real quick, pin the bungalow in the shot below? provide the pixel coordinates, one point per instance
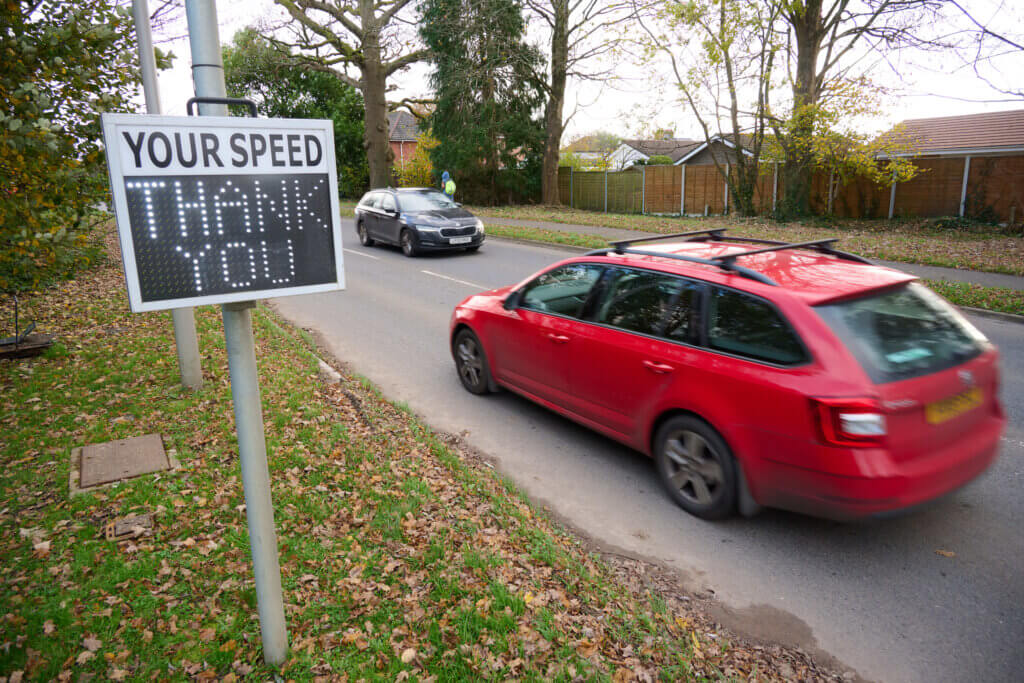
(679, 150)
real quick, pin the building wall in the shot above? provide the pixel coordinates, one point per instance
(625, 156)
(403, 151)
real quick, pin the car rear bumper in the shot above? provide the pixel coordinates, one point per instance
(431, 242)
(882, 487)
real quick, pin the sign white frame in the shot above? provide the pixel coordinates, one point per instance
(113, 123)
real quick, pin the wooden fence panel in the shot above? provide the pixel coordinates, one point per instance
(934, 192)
(588, 190)
(625, 192)
(995, 188)
(704, 188)
(564, 182)
(661, 191)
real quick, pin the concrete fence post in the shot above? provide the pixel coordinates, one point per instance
(643, 190)
(963, 188)
(682, 191)
(606, 190)
(775, 187)
(570, 187)
(725, 209)
(892, 196)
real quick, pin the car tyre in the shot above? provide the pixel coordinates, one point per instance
(696, 467)
(408, 243)
(471, 363)
(364, 235)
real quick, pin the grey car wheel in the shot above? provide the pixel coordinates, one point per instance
(408, 241)
(471, 363)
(364, 235)
(696, 467)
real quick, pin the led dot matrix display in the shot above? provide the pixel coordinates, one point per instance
(218, 209)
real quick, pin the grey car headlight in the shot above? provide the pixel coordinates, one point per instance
(479, 226)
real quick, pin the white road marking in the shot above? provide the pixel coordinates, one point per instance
(359, 253)
(461, 282)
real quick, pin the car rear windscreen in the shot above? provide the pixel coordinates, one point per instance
(902, 333)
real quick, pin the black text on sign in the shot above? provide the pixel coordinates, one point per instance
(218, 209)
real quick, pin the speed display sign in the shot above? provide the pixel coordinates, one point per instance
(221, 209)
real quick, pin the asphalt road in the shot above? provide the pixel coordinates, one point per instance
(876, 595)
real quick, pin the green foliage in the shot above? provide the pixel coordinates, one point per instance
(63, 64)
(255, 69)
(419, 172)
(487, 98)
(660, 160)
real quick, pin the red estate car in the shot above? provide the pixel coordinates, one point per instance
(756, 373)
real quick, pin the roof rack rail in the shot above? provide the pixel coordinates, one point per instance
(717, 262)
(716, 233)
(822, 246)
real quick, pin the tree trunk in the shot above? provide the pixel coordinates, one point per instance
(373, 80)
(798, 164)
(556, 99)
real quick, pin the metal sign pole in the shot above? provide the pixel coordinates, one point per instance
(208, 74)
(184, 321)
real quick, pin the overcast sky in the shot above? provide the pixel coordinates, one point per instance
(929, 85)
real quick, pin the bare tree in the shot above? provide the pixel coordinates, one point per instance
(827, 41)
(363, 43)
(722, 54)
(581, 31)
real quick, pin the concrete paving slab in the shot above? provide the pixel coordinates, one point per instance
(122, 459)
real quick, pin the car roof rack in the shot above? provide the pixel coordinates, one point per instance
(728, 261)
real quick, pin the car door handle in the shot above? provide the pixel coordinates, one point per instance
(558, 338)
(659, 368)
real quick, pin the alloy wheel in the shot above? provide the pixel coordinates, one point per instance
(471, 362)
(694, 467)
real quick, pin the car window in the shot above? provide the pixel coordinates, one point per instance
(747, 326)
(367, 199)
(562, 290)
(901, 333)
(387, 202)
(649, 303)
(424, 201)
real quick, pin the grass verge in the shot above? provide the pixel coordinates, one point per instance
(401, 555)
(1000, 299)
(928, 242)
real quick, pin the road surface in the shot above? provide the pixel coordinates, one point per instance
(876, 596)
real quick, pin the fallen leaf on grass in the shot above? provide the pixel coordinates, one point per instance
(408, 654)
(207, 634)
(48, 627)
(91, 644)
(84, 657)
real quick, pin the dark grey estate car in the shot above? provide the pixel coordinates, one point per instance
(417, 219)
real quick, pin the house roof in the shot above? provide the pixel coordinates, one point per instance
(675, 148)
(727, 140)
(948, 134)
(402, 126)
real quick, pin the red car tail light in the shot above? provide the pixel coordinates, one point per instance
(850, 421)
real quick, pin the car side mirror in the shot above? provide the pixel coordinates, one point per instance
(512, 301)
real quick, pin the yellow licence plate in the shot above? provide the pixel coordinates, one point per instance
(948, 408)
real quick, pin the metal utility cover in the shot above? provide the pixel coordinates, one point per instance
(103, 463)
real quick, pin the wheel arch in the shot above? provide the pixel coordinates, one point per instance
(747, 504)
